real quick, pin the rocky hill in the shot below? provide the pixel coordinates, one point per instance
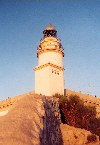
(87, 99)
(32, 119)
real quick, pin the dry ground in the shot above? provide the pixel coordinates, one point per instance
(31, 122)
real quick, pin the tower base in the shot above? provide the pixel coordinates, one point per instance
(49, 80)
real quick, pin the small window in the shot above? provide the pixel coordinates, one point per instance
(55, 71)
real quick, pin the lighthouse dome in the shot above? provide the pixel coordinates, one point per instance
(50, 27)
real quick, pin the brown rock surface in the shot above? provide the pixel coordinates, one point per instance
(75, 136)
(34, 120)
(88, 99)
(21, 126)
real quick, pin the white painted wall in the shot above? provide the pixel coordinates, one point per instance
(42, 81)
(51, 56)
(49, 81)
(56, 81)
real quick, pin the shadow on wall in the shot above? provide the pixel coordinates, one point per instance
(51, 133)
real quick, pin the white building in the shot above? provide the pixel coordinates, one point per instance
(49, 73)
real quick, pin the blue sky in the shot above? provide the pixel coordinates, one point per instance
(21, 26)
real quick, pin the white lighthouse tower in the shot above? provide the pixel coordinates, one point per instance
(49, 73)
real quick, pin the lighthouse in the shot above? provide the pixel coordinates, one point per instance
(49, 73)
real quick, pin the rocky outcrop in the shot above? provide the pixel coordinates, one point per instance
(22, 125)
(76, 136)
(88, 99)
(35, 120)
(51, 133)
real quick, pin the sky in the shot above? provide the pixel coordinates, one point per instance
(21, 26)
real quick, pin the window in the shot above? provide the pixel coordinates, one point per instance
(55, 71)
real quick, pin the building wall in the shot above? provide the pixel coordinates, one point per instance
(42, 81)
(56, 81)
(53, 57)
(49, 81)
